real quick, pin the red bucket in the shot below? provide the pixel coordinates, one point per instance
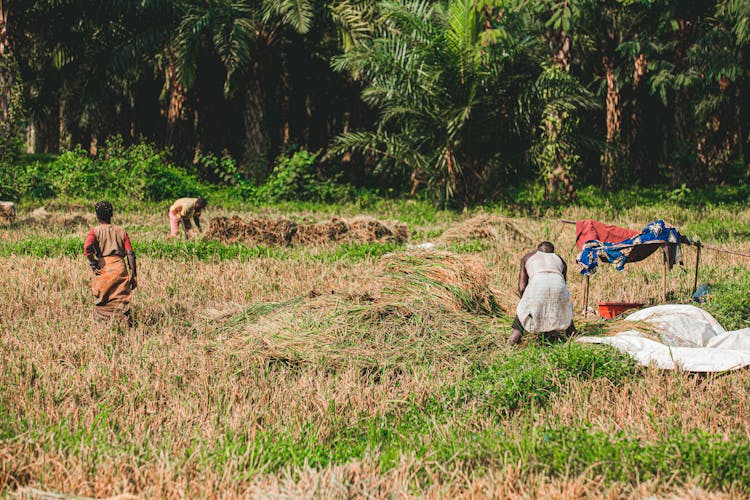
(610, 310)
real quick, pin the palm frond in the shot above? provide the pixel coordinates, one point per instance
(298, 14)
(355, 21)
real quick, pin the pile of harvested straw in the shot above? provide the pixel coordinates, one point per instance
(428, 305)
(444, 280)
(252, 231)
(41, 217)
(484, 227)
(361, 229)
(286, 232)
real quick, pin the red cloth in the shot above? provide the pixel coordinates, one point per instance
(589, 229)
(90, 240)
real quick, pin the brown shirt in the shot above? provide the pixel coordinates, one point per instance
(108, 240)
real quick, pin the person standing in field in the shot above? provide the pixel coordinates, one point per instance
(546, 305)
(182, 211)
(107, 247)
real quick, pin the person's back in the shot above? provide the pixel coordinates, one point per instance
(183, 207)
(544, 262)
(546, 304)
(110, 240)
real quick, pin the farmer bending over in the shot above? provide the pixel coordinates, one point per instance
(546, 305)
(8, 211)
(180, 213)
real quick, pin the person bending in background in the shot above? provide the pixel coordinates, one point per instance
(8, 211)
(182, 211)
(106, 247)
(546, 305)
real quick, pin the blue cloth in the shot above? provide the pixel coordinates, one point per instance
(617, 253)
(702, 294)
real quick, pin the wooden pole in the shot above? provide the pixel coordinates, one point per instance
(586, 297)
(664, 274)
(697, 264)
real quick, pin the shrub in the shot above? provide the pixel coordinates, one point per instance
(31, 180)
(221, 170)
(138, 172)
(298, 178)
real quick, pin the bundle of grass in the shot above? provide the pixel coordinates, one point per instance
(447, 281)
(286, 232)
(40, 214)
(321, 232)
(71, 221)
(252, 231)
(368, 229)
(610, 328)
(66, 220)
(360, 229)
(424, 307)
(484, 227)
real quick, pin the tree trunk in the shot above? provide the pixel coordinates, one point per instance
(198, 146)
(257, 142)
(637, 143)
(65, 138)
(683, 140)
(30, 138)
(562, 54)
(176, 101)
(559, 181)
(613, 149)
(6, 74)
(93, 144)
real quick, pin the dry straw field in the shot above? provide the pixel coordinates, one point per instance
(354, 367)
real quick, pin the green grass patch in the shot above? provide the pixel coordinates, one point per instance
(730, 300)
(531, 377)
(203, 250)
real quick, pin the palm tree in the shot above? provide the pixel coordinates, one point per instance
(242, 34)
(432, 71)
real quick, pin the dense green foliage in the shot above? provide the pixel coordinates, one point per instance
(141, 172)
(466, 98)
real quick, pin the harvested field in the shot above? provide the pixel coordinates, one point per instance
(343, 370)
(285, 232)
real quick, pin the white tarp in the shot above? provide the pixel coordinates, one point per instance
(691, 340)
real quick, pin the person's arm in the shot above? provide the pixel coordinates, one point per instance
(186, 225)
(523, 277)
(130, 254)
(133, 270)
(565, 269)
(91, 251)
(197, 220)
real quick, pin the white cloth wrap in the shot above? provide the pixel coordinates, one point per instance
(546, 305)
